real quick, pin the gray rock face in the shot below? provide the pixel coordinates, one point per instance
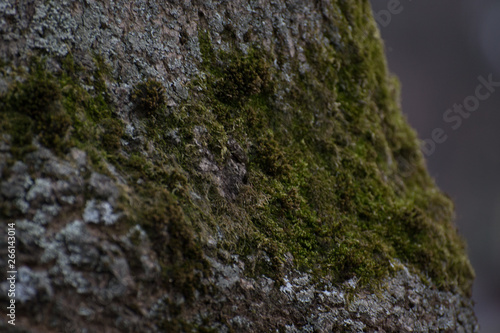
(83, 267)
(156, 39)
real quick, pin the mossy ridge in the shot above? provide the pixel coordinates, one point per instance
(324, 178)
(330, 175)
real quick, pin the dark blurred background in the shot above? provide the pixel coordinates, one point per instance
(438, 49)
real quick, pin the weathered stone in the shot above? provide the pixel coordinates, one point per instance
(179, 221)
(103, 187)
(97, 212)
(42, 188)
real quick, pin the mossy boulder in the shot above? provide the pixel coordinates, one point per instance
(219, 167)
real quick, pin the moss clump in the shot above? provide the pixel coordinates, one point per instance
(113, 131)
(270, 157)
(324, 180)
(53, 128)
(149, 97)
(19, 126)
(174, 241)
(37, 95)
(242, 77)
(57, 110)
(33, 108)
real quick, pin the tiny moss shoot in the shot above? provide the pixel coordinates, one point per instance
(149, 97)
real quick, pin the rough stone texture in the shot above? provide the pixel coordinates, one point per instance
(75, 274)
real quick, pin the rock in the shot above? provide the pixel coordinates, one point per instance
(41, 189)
(257, 193)
(101, 212)
(79, 156)
(16, 186)
(103, 187)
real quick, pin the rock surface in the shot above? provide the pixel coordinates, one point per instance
(164, 213)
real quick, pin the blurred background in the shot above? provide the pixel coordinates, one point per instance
(438, 49)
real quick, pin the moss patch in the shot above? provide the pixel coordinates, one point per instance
(328, 177)
(149, 97)
(174, 241)
(56, 109)
(71, 108)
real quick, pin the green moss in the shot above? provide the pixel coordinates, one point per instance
(53, 128)
(334, 177)
(327, 180)
(32, 108)
(113, 131)
(58, 111)
(270, 157)
(174, 241)
(149, 97)
(37, 95)
(55, 108)
(19, 126)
